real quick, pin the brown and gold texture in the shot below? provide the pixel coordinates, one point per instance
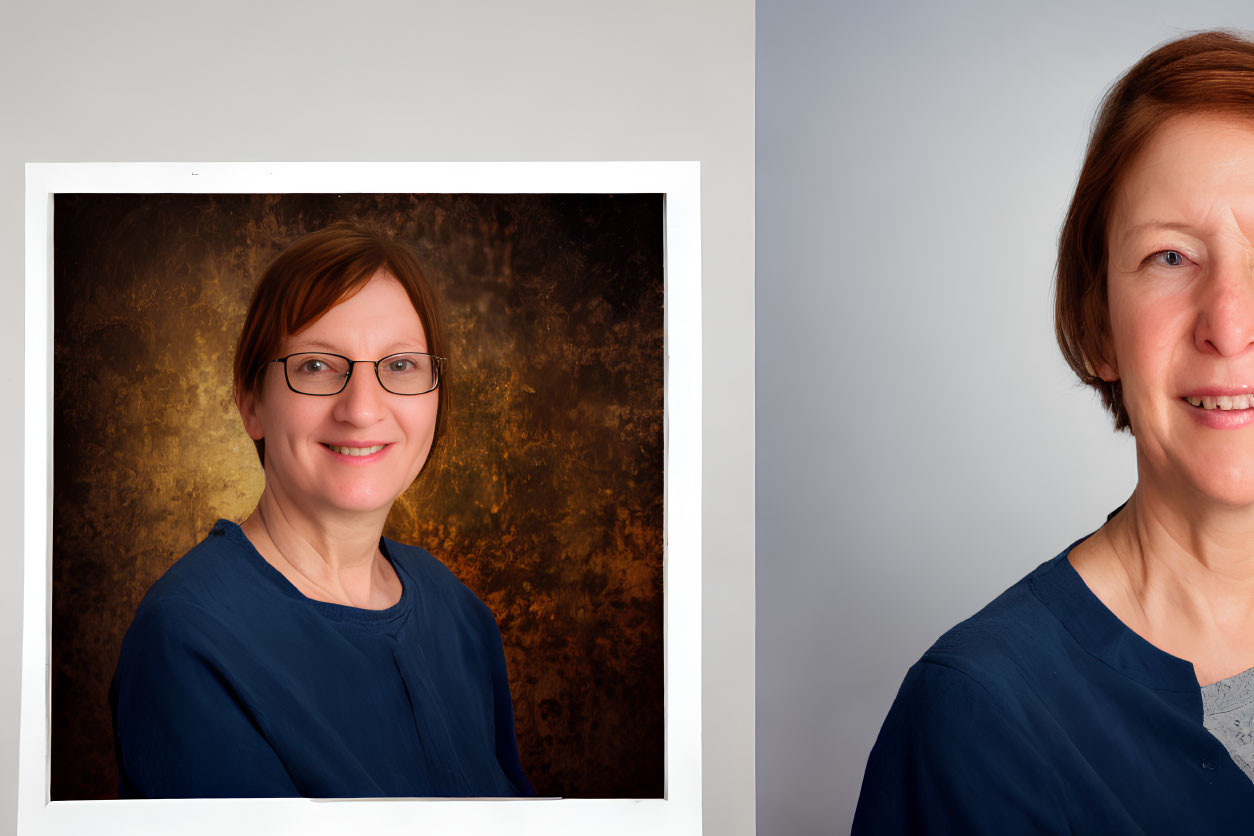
(546, 499)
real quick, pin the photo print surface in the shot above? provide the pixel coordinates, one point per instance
(546, 498)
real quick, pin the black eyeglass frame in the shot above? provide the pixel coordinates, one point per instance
(439, 372)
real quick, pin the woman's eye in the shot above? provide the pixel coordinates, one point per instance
(316, 367)
(1169, 258)
(400, 365)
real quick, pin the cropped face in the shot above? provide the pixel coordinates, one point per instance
(1180, 284)
(357, 450)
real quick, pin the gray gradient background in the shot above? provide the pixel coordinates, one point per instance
(921, 445)
(236, 80)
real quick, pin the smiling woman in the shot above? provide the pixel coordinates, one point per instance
(340, 446)
(1112, 690)
(302, 653)
(1182, 307)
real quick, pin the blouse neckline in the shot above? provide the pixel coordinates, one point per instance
(1099, 631)
(378, 619)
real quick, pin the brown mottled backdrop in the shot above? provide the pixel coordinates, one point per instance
(547, 501)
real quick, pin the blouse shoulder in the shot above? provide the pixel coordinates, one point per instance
(960, 729)
(950, 760)
(420, 562)
(205, 577)
(1014, 633)
(438, 581)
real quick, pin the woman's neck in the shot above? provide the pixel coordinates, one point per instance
(334, 560)
(1181, 577)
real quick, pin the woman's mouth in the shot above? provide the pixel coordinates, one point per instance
(355, 451)
(1221, 402)
(1222, 412)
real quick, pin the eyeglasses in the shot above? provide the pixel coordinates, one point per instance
(409, 373)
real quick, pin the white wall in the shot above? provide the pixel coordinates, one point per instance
(440, 80)
(921, 444)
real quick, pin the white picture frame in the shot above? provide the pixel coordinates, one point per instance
(679, 812)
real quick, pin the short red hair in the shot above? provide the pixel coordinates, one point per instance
(312, 275)
(1209, 72)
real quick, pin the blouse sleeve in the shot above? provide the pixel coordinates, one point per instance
(948, 760)
(181, 730)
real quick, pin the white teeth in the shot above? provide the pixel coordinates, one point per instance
(357, 451)
(1222, 402)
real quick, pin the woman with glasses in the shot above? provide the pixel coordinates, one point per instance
(300, 653)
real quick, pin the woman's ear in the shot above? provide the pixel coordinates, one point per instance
(1107, 366)
(1107, 371)
(247, 403)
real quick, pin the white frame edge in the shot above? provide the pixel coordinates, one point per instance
(680, 811)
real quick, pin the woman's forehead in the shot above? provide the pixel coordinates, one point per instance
(379, 316)
(1195, 170)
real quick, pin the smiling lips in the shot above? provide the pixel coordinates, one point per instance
(1222, 409)
(1221, 402)
(355, 451)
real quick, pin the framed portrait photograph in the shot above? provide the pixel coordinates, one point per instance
(234, 370)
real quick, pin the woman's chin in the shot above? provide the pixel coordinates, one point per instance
(1231, 487)
(1213, 475)
(358, 502)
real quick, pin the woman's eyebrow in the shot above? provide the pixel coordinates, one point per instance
(400, 345)
(1154, 225)
(318, 344)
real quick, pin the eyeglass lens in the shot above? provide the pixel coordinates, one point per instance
(327, 374)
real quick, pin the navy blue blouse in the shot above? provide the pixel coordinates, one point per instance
(1044, 713)
(231, 683)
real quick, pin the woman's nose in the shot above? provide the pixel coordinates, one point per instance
(361, 402)
(1225, 323)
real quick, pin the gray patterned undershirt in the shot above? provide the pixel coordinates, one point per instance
(1228, 714)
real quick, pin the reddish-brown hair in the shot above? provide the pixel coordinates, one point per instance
(312, 275)
(1209, 72)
